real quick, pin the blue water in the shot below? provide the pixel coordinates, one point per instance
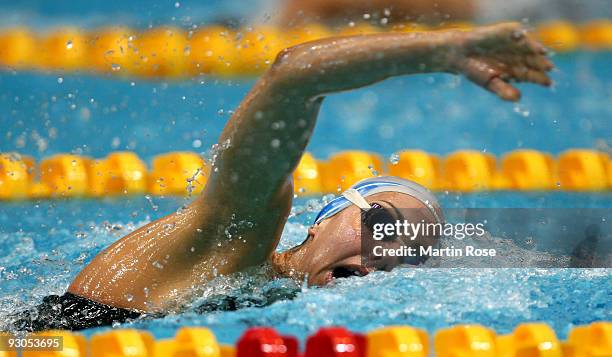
(44, 244)
(437, 113)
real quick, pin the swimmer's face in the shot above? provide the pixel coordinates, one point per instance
(334, 248)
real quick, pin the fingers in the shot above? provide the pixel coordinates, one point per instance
(480, 72)
(539, 63)
(538, 77)
(502, 89)
(490, 76)
(536, 47)
(524, 74)
(509, 39)
(505, 53)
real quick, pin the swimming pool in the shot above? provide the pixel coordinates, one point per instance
(44, 244)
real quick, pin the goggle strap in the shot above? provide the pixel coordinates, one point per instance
(357, 199)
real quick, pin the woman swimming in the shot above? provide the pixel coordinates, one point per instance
(236, 222)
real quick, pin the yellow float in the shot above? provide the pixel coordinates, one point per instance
(529, 170)
(560, 36)
(189, 341)
(346, 168)
(65, 175)
(119, 173)
(64, 50)
(465, 340)
(178, 173)
(18, 48)
(590, 340)
(530, 339)
(257, 49)
(469, 170)
(111, 50)
(359, 29)
(418, 166)
(306, 33)
(398, 341)
(597, 35)
(583, 170)
(213, 50)
(307, 176)
(126, 342)
(14, 178)
(162, 51)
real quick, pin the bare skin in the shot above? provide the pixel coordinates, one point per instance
(236, 223)
(341, 12)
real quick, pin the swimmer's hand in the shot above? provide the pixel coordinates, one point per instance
(494, 56)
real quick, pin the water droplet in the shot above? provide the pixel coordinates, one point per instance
(177, 4)
(197, 143)
(373, 170)
(60, 80)
(275, 143)
(518, 109)
(394, 159)
(69, 45)
(157, 265)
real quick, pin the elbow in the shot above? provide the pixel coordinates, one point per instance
(284, 56)
(290, 71)
(284, 63)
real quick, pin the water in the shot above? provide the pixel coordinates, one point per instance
(437, 113)
(43, 245)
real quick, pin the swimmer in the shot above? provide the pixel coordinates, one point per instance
(236, 223)
(342, 12)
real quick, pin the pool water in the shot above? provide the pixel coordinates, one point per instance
(436, 113)
(44, 244)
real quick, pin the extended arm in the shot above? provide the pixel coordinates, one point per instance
(268, 133)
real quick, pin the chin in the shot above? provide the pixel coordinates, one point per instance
(320, 279)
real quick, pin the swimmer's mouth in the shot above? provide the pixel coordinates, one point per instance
(346, 271)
